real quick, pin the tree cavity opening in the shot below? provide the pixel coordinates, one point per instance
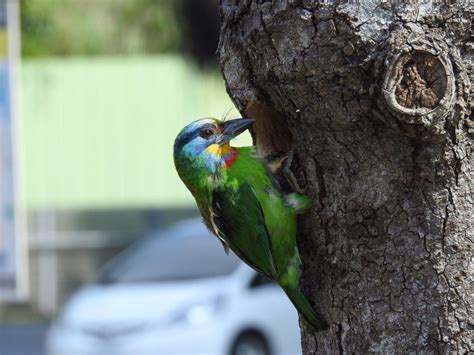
(270, 131)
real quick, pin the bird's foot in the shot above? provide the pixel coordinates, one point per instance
(293, 173)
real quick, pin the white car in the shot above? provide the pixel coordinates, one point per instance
(177, 292)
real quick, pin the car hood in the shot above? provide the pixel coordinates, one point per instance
(134, 303)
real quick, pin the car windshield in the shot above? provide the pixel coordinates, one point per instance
(184, 252)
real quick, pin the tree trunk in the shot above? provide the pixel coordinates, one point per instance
(373, 103)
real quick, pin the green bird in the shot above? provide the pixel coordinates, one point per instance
(242, 205)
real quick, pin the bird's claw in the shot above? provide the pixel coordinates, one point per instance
(290, 176)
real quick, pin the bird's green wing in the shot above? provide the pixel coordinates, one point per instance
(239, 220)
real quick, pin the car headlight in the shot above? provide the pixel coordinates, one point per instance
(197, 313)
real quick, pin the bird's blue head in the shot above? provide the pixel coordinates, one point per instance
(207, 140)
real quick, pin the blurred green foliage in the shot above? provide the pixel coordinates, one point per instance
(98, 132)
(93, 27)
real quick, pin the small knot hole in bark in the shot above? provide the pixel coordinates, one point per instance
(423, 82)
(419, 85)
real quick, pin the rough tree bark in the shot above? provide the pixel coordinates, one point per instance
(373, 100)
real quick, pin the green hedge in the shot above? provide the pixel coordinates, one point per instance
(98, 132)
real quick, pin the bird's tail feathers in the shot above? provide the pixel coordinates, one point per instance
(305, 309)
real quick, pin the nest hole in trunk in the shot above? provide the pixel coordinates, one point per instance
(274, 143)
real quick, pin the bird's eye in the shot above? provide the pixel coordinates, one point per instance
(207, 133)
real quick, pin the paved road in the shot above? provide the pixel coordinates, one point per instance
(22, 339)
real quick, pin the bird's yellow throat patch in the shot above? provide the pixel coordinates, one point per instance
(218, 150)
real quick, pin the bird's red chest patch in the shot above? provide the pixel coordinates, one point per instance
(231, 157)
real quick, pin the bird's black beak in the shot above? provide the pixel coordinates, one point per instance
(232, 128)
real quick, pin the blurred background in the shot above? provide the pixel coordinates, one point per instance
(92, 95)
